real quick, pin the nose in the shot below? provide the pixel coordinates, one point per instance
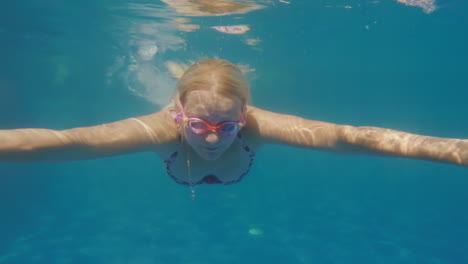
(212, 138)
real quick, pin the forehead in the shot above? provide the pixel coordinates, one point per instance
(212, 106)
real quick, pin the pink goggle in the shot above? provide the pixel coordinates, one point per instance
(200, 126)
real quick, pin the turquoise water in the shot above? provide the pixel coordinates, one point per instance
(377, 63)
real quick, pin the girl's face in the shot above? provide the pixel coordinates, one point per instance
(214, 109)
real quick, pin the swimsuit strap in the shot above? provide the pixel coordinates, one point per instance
(251, 156)
(171, 159)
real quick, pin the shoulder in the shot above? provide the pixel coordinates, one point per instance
(161, 128)
(259, 114)
(266, 127)
(159, 121)
(259, 120)
(256, 120)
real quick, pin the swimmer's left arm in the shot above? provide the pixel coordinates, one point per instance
(388, 142)
(274, 128)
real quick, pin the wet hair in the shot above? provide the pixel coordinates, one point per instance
(219, 76)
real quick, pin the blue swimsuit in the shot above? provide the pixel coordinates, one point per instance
(210, 179)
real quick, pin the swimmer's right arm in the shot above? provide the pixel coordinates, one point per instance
(139, 134)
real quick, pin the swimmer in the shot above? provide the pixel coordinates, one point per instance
(209, 134)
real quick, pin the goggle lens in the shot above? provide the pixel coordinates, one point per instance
(199, 127)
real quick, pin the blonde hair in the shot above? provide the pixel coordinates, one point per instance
(219, 76)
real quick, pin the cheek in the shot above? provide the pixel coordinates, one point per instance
(227, 141)
(192, 138)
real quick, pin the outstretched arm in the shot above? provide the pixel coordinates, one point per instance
(131, 135)
(291, 130)
(401, 144)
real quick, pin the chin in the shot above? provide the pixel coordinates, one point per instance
(210, 156)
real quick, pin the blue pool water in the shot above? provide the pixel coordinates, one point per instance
(382, 63)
